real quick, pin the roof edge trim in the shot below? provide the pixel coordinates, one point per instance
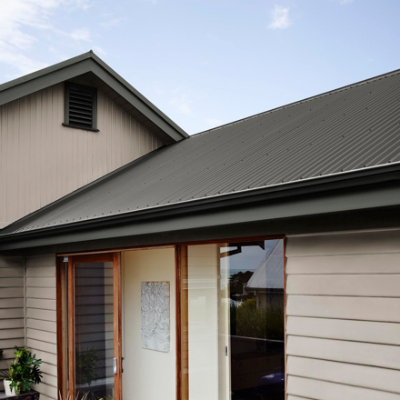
(292, 189)
(90, 62)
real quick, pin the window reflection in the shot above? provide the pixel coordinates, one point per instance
(256, 320)
(235, 328)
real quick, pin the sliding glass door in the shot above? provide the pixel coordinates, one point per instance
(233, 321)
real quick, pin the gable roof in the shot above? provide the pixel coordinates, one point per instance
(269, 274)
(90, 63)
(351, 130)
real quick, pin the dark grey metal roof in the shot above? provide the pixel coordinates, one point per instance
(269, 274)
(353, 128)
(91, 63)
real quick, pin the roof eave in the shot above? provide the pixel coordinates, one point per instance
(297, 190)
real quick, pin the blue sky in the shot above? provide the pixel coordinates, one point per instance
(205, 63)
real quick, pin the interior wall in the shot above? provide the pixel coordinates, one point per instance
(343, 316)
(148, 374)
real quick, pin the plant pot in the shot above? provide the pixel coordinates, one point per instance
(7, 388)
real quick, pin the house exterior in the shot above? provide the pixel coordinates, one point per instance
(267, 281)
(121, 237)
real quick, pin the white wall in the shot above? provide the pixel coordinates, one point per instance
(343, 316)
(147, 374)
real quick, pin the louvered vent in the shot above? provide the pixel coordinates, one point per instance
(80, 106)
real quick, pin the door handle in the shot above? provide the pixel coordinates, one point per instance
(115, 367)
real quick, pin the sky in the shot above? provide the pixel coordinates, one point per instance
(209, 62)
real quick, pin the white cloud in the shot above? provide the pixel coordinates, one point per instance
(83, 4)
(82, 34)
(213, 122)
(181, 100)
(280, 18)
(99, 50)
(24, 65)
(112, 23)
(19, 16)
(158, 88)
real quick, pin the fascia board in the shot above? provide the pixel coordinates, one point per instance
(339, 201)
(44, 81)
(138, 103)
(81, 65)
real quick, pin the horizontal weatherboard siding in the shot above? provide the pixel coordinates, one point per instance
(12, 304)
(41, 319)
(343, 316)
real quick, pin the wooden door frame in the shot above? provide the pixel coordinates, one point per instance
(66, 321)
(114, 255)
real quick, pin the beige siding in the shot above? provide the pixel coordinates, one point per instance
(41, 336)
(12, 332)
(343, 316)
(41, 160)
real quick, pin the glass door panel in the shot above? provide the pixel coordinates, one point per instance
(233, 323)
(94, 327)
(94, 335)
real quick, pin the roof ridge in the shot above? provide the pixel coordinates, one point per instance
(294, 103)
(90, 62)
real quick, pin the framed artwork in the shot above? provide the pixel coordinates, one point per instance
(155, 306)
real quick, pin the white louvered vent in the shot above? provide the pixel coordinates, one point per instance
(80, 104)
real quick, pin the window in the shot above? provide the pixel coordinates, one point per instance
(233, 321)
(80, 107)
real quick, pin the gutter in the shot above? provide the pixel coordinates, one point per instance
(347, 182)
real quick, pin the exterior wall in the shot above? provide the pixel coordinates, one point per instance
(41, 160)
(41, 319)
(12, 326)
(343, 316)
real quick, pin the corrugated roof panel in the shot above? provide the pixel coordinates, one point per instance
(348, 129)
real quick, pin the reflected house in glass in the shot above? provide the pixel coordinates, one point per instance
(267, 281)
(279, 235)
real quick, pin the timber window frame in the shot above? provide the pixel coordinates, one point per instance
(80, 107)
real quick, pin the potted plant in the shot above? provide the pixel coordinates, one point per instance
(5, 375)
(22, 373)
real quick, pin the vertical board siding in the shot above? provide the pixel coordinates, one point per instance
(12, 327)
(41, 160)
(343, 316)
(41, 327)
